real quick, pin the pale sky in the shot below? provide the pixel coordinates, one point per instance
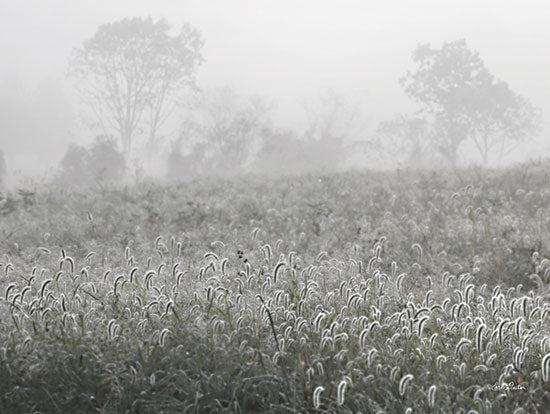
(289, 50)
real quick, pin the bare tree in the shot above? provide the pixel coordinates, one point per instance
(331, 121)
(503, 120)
(230, 126)
(408, 137)
(131, 72)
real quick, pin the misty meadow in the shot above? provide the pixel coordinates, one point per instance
(244, 208)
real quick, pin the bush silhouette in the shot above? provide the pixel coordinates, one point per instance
(101, 163)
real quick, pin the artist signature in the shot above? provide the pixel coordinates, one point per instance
(510, 386)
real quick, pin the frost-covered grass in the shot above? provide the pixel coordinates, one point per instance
(403, 292)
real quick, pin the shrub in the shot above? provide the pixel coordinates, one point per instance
(101, 163)
(106, 162)
(182, 167)
(3, 169)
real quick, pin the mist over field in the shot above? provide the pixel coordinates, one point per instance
(274, 206)
(313, 67)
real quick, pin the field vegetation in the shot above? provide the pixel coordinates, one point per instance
(415, 292)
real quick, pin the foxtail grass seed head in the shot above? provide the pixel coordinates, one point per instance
(341, 392)
(545, 368)
(431, 396)
(317, 396)
(404, 382)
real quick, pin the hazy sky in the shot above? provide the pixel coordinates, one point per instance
(288, 50)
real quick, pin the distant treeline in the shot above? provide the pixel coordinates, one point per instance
(137, 83)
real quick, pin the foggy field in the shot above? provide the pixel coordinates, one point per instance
(251, 206)
(373, 292)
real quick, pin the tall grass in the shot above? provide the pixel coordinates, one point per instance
(357, 292)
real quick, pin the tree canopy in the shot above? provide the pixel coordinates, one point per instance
(466, 102)
(132, 72)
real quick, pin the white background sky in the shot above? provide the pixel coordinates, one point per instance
(289, 50)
